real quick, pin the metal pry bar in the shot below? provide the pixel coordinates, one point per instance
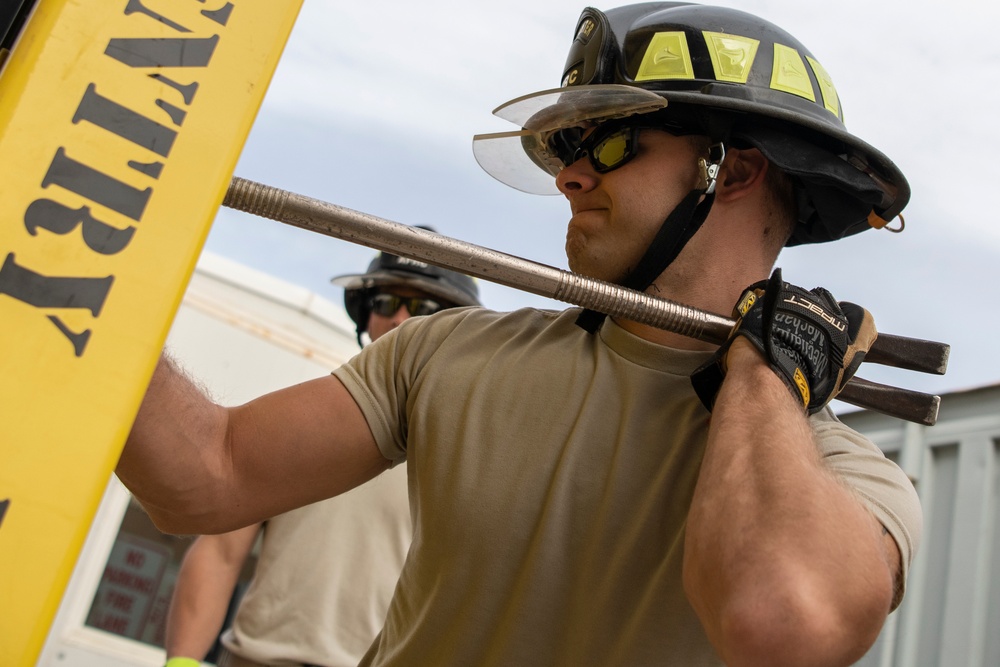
(420, 244)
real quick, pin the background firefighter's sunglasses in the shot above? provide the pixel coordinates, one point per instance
(609, 146)
(387, 305)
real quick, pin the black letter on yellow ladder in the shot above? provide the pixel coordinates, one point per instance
(60, 219)
(41, 291)
(220, 16)
(165, 52)
(127, 124)
(87, 182)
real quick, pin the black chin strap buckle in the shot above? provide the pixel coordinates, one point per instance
(710, 168)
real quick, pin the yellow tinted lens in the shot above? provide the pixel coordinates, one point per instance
(613, 149)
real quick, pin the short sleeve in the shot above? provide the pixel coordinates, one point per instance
(878, 482)
(382, 376)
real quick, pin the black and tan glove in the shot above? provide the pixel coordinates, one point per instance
(812, 342)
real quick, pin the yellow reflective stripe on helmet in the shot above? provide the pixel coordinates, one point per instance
(789, 73)
(732, 55)
(830, 98)
(667, 57)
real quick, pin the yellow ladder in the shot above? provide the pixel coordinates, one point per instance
(121, 122)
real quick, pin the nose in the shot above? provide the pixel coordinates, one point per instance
(577, 177)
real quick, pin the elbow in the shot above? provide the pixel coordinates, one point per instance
(177, 521)
(171, 524)
(188, 513)
(795, 627)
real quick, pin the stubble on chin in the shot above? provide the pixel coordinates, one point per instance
(581, 255)
(586, 265)
(574, 248)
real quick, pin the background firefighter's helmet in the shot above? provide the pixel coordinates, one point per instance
(715, 68)
(386, 270)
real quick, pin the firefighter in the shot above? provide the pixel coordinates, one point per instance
(590, 490)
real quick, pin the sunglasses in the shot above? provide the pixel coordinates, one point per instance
(608, 147)
(387, 305)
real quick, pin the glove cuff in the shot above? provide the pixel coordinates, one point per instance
(707, 378)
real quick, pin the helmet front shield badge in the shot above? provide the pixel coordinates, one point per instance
(522, 159)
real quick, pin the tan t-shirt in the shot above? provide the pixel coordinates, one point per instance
(551, 473)
(324, 577)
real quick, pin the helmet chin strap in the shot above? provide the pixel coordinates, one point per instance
(682, 223)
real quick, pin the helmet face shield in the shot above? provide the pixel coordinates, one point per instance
(518, 159)
(524, 160)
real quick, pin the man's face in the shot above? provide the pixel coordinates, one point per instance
(615, 215)
(381, 324)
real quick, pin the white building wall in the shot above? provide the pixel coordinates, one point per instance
(950, 616)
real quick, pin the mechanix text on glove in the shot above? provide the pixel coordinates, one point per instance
(814, 343)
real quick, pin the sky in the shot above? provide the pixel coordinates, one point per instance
(374, 105)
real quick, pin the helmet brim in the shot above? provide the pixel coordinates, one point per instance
(876, 164)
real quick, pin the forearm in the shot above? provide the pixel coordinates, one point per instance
(175, 452)
(782, 563)
(205, 584)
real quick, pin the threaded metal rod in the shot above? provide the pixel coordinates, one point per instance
(368, 230)
(414, 243)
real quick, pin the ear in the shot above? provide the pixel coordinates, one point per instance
(742, 173)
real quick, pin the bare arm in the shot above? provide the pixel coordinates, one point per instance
(783, 565)
(200, 468)
(205, 583)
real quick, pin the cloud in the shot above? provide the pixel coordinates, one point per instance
(432, 69)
